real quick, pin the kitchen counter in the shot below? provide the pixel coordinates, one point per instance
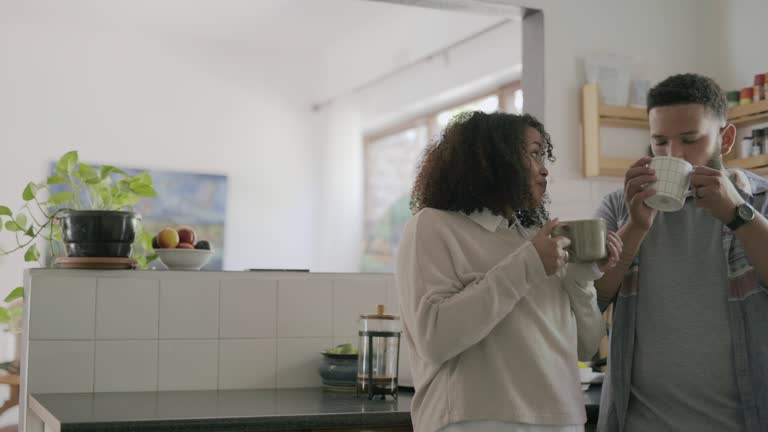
(251, 410)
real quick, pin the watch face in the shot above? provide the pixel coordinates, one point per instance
(746, 212)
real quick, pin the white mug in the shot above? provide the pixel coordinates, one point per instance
(673, 183)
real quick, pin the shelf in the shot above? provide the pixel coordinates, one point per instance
(596, 114)
(10, 379)
(752, 113)
(749, 163)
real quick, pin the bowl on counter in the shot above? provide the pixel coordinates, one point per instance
(184, 259)
(338, 371)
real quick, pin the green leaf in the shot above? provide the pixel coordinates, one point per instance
(5, 211)
(17, 292)
(61, 198)
(86, 172)
(146, 241)
(106, 170)
(57, 233)
(67, 163)
(32, 254)
(142, 178)
(143, 190)
(56, 179)
(5, 316)
(21, 221)
(11, 226)
(29, 192)
(30, 231)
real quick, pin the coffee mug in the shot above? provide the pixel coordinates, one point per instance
(673, 183)
(588, 238)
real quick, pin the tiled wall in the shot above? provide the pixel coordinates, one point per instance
(146, 331)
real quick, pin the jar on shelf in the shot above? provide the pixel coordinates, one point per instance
(733, 98)
(758, 92)
(746, 96)
(765, 86)
(758, 141)
(745, 148)
(765, 140)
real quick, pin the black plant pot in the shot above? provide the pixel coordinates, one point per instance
(98, 233)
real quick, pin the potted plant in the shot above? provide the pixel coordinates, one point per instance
(81, 212)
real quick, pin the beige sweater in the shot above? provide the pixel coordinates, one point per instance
(491, 336)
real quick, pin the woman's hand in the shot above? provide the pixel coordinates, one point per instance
(551, 250)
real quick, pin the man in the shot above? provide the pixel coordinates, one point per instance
(689, 344)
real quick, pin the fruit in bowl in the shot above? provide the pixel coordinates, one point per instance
(177, 250)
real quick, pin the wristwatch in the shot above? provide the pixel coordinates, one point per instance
(743, 214)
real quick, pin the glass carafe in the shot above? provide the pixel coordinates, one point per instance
(378, 354)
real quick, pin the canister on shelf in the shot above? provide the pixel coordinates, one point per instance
(758, 141)
(745, 148)
(746, 96)
(765, 86)
(733, 98)
(758, 92)
(765, 140)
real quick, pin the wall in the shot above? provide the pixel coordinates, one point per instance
(624, 27)
(139, 100)
(477, 66)
(741, 55)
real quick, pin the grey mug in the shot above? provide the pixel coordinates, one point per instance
(588, 238)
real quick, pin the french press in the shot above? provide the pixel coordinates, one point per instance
(378, 354)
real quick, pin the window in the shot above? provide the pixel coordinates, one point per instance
(391, 160)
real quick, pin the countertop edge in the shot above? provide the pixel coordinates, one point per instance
(260, 423)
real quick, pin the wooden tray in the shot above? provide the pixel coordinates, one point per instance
(95, 263)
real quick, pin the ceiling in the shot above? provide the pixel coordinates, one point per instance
(340, 43)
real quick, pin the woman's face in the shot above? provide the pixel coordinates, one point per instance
(537, 157)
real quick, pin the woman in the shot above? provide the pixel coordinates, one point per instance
(493, 314)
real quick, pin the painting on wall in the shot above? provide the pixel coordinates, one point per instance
(197, 200)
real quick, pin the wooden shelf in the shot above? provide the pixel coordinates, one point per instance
(10, 379)
(752, 113)
(596, 114)
(749, 163)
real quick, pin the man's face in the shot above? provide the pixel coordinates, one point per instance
(689, 132)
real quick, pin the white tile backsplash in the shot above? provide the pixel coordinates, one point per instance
(126, 366)
(188, 365)
(298, 361)
(140, 332)
(62, 308)
(352, 297)
(127, 308)
(60, 366)
(305, 308)
(247, 363)
(248, 308)
(189, 309)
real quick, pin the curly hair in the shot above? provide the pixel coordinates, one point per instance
(689, 89)
(481, 162)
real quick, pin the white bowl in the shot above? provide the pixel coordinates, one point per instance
(184, 259)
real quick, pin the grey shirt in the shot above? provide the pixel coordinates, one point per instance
(682, 371)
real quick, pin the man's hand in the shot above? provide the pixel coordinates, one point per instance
(636, 191)
(715, 192)
(614, 246)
